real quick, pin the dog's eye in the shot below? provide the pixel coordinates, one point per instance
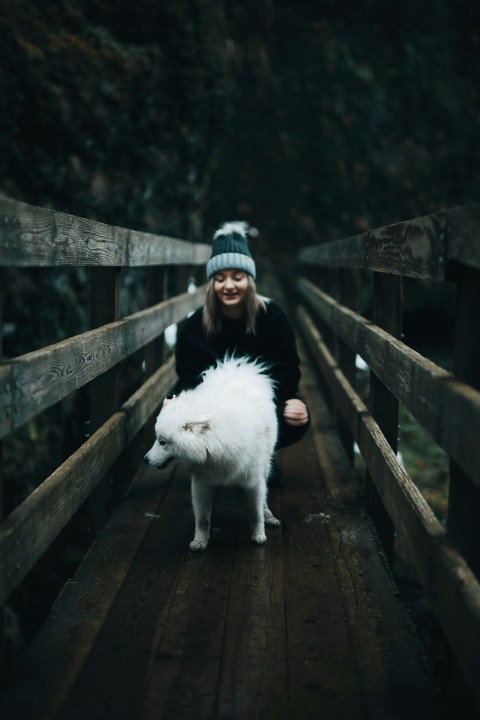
(162, 442)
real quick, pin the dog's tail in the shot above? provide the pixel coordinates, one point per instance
(230, 360)
(240, 370)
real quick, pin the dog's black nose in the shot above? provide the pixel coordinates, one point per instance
(145, 460)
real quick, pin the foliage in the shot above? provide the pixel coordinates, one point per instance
(114, 115)
(308, 120)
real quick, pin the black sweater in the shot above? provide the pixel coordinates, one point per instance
(273, 342)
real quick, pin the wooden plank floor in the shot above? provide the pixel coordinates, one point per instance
(308, 626)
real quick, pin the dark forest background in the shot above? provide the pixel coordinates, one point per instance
(310, 120)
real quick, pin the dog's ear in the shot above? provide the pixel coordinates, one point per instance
(198, 428)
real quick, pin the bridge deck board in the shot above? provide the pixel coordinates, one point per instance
(309, 625)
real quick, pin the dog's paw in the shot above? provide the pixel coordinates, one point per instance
(197, 545)
(258, 538)
(269, 518)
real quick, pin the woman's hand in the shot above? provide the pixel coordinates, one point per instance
(295, 412)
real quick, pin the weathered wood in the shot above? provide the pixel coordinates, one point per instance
(147, 249)
(28, 531)
(415, 248)
(463, 235)
(138, 618)
(146, 400)
(412, 517)
(103, 391)
(104, 310)
(323, 677)
(446, 407)
(348, 295)
(45, 675)
(254, 663)
(390, 668)
(157, 291)
(188, 648)
(43, 377)
(38, 237)
(387, 313)
(447, 579)
(30, 528)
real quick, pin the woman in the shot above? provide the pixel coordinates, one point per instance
(236, 320)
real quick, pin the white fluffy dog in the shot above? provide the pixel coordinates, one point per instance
(224, 433)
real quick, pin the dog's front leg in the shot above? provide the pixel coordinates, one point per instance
(256, 499)
(270, 518)
(202, 509)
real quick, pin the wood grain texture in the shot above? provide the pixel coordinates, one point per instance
(29, 530)
(103, 390)
(43, 679)
(43, 377)
(418, 248)
(447, 579)
(463, 241)
(156, 291)
(113, 680)
(146, 400)
(415, 248)
(323, 677)
(413, 519)
(38, 237)
(254, 664)
(446, 407)
(188, 654)
(387, 313)
(145, 249)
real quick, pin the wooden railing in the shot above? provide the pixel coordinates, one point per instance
(443, 247)
(440, 248)
(31, 383)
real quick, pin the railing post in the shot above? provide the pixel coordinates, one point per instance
(180, 282)
(348, 296)
(157, 290)
(463, 522)
(104, 390)
(387, 312)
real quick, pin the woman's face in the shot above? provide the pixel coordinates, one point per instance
(230, 287)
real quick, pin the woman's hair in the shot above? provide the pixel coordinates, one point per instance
(212, 314)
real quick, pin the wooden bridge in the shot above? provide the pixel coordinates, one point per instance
(311, 625)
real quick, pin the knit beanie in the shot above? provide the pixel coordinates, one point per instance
(230, 250)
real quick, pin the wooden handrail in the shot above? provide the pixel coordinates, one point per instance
(447, 408)
(38, 237)
(442, 246)
(39, 379)
(31, 383)
(29, 530)
(446, 577)
(419, 248)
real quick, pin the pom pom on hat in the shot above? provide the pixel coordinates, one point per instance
(230, 250)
